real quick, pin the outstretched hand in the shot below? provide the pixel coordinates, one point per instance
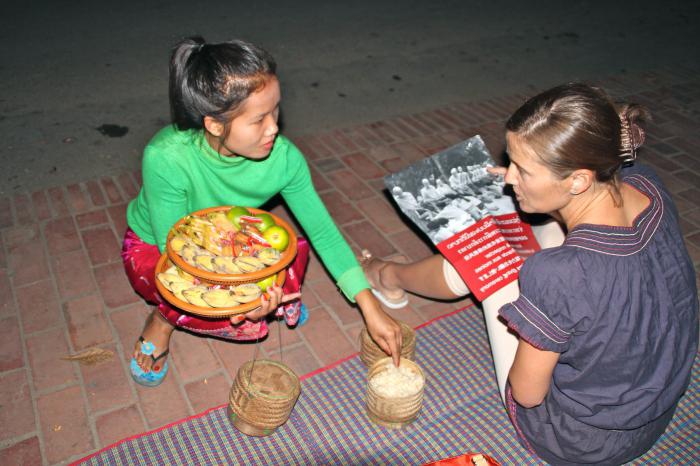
(268, 304)
(382, 328)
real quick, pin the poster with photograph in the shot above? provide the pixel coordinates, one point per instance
(465, 212)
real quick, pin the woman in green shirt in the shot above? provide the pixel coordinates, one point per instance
(223, 148)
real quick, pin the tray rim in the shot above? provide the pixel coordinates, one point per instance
(286, 256)
(213, 312)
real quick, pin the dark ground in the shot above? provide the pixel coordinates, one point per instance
(68, 68)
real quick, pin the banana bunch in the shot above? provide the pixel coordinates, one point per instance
(190, 291)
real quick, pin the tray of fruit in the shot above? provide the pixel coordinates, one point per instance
(187, 292)
(230, 245)
(218, 261)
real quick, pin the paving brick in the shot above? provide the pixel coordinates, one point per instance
(332, 144)
(306, 147)
(42, 208)
(234, 354)
(45, 351)
(335, 303)
(356, 138)
(3, 257)
(429, 145)
(688, 162)
(129, 323)
(164, 404)
(407, 315)
(138, 178)
(383, 132)
(87, 325)
(349, 184)
(326, 338)
(380, 153)
(363, 166)
(26, 258)
(114, 285)
(328, 165)
(318, 179)
(111, 189)
(77, 198)
(38, 306)
(192, 355)
(10, 345)
(118, 215)
(301, 360)
(119, 424)
(59, 203)
(404, 130)
(368, 237)
(6, 217)
(23, 209)
(17, 414)
(107, 384)
(7, 305)
(208, 393)
(27, 452)
(314, 269)
(396, 164)
(64, 424)
(341, 210)
(101, 244)
(353, 333)
(61, 236)
(73, 274)
(429, 122)
(91, 219)
(381, 214)
(95, 193)
(370, 136)
(693, 239)
(319, 149)
(127, 185)
(280, 331)
(411, 245)
(416, 125)
(346, 143)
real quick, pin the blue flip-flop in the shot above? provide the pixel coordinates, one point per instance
(150, 378)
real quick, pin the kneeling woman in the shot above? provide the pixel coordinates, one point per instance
(607, 321)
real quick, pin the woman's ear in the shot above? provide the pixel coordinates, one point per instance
(581, 180)
(213, 126)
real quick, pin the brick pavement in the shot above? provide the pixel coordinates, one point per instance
(63, 289)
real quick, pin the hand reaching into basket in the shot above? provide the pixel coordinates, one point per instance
(275, 297)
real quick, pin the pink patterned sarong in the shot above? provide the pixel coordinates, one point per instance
(140, 260)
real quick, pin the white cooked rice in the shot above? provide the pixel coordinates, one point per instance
(396, 382)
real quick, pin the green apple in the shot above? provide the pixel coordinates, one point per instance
(235, 213)
(277, 237)
(268, 282)
(267, 221)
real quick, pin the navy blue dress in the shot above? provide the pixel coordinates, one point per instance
(620, 305)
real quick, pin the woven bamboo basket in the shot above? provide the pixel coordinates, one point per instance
(262, 397)
(397, 412)
(370, 352)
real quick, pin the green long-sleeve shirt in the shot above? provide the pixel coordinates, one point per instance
(182, 173)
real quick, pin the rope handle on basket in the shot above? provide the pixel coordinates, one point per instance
(257, 345)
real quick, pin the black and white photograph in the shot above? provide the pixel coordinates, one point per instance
(451, 190)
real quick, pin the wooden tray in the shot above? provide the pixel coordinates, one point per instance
(212, 312)
(286, 256)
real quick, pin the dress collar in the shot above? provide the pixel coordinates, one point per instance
(622, 241)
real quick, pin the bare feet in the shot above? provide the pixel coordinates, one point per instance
(375, 270)
(156, 331)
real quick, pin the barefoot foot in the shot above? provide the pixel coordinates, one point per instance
(150, 351)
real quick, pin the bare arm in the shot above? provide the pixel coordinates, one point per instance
(531, 374)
